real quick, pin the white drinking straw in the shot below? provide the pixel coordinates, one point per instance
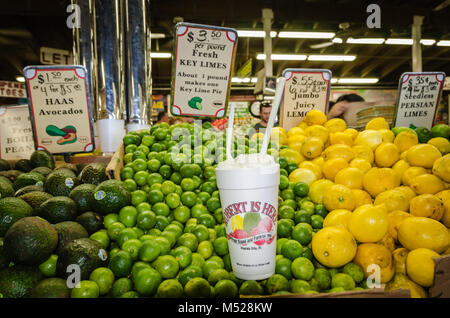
(273, 113)
(230, 131)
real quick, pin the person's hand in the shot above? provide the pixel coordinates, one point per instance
(338, 109)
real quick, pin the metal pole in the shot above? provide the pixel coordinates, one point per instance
(416, 31)
(267, 17)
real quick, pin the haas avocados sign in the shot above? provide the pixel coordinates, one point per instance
(202, 64)
(59, 108)
(418, 98)
(305, 90)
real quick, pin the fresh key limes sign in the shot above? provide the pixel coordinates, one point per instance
(418, 98)
(202, 63)
(59, 108)
(305, 90)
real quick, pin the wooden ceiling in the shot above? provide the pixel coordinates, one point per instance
(27, 25)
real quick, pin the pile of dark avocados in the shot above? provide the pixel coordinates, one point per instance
(47, 214)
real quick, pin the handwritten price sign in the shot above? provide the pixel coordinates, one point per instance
(201, 77)
(418, 98)
(59, 107)
(305, 90)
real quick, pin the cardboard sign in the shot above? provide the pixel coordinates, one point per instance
(59, 108)
(202, 64)
(418, 98)
(16, 136)
(12, 89)
(305, 90)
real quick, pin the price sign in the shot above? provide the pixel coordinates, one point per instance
(418, 98)
(202, 63)
(305, 90)
(16, 136)
(59, 108)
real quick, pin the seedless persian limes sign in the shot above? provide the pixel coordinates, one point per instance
(305, 90)
(202, 63)
(418, 98)
(59, 108)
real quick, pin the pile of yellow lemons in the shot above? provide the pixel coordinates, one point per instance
(388, 196)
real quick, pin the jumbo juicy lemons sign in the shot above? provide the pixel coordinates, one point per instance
(59, 108)
(202, 63)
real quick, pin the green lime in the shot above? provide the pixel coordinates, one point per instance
(182, 213)
(198, 209)
(308, 206)
(213, 204)
(146, 220)
(175, 177)
(218, 215)
(104, 278)
(301, 189)
(125, 235)
(189, 240)
(155, 196)
(149, 250)
(126, 173)
(226, 288)
(302, 216)
(189, 273)
(291, 249)
(114, 229)
(170, 288)
(173, 200)
(165, 171)
(130, 184)
(302, 268)
(276, 283)
(299, 286)
(218, 275)
(291, 166)
(207, 220)
(148, 140)
(221, 246)
(132, 246)
(197, 287)
(189, 198)
(321, 210)
(129, 149)
(85, 289)
(440, 130)
(174, 228)
(205, 249)
(128, 216)
(284, 182)
(209, 266)
(286, 212)
(333, 271)
(251, 287)
(139, 165)
(161, 208)
(110, 219)
(302, 233)
(137, 267)
(280, 243)
(316, 221)
(290, 202)
(283, 267)
(282, 162)
(121, 286)
(201, 232)
(343, 280)
(121, 264)
(198, 259)
(287, 194)
(154, 186)
(323, 278)
(209, 187)
(137, 197)
(147, 281)
(170, 236)
(183, 255)
(48, 267)
(141, 178)
(284, 227)
(204, 197)
(161, 222)
(164, 244)
(167, 266)
(355, 271)
(129, 139)
(154, 178)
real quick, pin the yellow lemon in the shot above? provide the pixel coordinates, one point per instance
(279, 130)
(339, 151)
(303, 125)
(278, 137)
(352, 132)
(291, 155)
(315, 117)
(371, 138)
(335, 125)
(427, 205)
(237, 222)
(387, 135)
(361, 197)
(377, 180)
(405, 140)
(333, 246)
(312, 147)
(317, 131)
(377, 124)
(403, 155)
(350, 177)
(416, 232)
(369, 254)
(399, 257)
(313, 167)
(296, 139)
(319, 161)
(426, 183)
(257, 136)
(423, 155)
(402, 281)
(317, 190)
(400, 167)
(407, 191)
(388, 242)
(364, 152)
(412, 172)
(337, 218)
(441, 168)
(340, 138)
(302, 175)
(297, 146)
(294, 131)
(395, 218)
(393, 199)
(361, 164)
(331, 167)
(420, 266)
(369, 223)
(440, 143)
(386, 154)
(444, 196)
(339, 196)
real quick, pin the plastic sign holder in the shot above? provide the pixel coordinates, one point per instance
(305, 90)
(201, 73)
(59, 108)
(417, 98)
